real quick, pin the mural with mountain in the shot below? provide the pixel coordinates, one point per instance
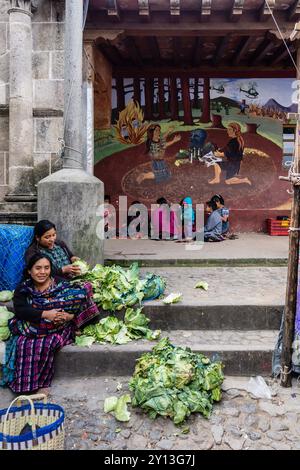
(162, 127)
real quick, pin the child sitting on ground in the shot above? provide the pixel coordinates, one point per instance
(223, 211)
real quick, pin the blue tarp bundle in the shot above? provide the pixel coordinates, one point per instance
(14, 240)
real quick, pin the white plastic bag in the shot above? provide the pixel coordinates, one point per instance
(258, 388)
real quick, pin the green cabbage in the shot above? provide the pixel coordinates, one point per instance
(84, 267)
(4, 333)
(112, 330)
(118, 406)
(175, 382)
(6, 295)
(172, 298)
(115, 287)
(5, 316)
(201, 285)
(84, 340)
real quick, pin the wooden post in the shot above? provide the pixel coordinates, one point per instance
(174, 99)
(120, 94)
(137, 90)
(161, 98)
(206, 102)
(292, 277)
(148, 98)
(187, 109)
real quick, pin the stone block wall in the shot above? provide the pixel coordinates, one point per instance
(48, 99)
(4, 79)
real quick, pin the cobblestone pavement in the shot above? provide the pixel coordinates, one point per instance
(239, 421)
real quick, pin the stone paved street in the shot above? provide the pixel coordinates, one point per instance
(238, 422)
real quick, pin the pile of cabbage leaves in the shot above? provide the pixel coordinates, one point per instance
(115, 287)
(112, 330)
(175, 382)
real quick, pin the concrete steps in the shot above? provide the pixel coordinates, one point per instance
(236, 321)
(243, 353)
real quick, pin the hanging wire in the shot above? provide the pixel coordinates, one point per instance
(282, 37)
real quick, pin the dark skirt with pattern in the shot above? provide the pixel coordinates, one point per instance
(160, 170)
(30, 356)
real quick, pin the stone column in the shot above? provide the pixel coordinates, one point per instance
(21, 176)
(88, 106)
(71, 197)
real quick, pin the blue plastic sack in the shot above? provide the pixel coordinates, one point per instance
(14, 241)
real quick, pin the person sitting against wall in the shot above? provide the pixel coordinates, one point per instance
(213, 226)
(45, 242)
(48, 313)
(223, 211)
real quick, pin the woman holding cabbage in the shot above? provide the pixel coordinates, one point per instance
(47, 314)
(45, 242)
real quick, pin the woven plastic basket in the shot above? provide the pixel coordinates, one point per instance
(49, 417)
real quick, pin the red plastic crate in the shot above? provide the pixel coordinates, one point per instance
(278, 227)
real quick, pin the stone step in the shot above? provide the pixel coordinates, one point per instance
(243, 353)
(237, 298)
(185, 262)
(250, 249)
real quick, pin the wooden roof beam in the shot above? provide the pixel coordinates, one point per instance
(205, 10)
(294, 11)
(282, 53)
(154, 49)
(144, 10)
(134, 50)
(176, 50)
(197, 53)
(113, 11)
(175, 10)
(220, 50)
(242, 49)
(237, 10)
(261, 52)
(264, 12)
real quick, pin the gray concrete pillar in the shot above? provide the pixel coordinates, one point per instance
(71, 197)
(21, 176)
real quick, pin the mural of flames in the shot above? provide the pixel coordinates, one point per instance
(130, 128)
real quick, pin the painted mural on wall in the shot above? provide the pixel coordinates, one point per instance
(174, 138)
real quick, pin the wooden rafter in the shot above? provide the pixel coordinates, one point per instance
(220, 49)
(282, 54)
(293, 13)
(113, 11)
(242, 49)
(237, 10)
(264, 12)
(205, 10)
(262, 50)
(144, 10)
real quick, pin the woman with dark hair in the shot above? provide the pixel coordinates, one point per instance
(47, 314)
(213, 226)
(233, 151)
(155, 148)
(45, 242)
